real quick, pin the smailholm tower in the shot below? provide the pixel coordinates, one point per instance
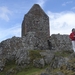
(36, 20)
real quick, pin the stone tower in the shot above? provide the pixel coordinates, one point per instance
(36, 21)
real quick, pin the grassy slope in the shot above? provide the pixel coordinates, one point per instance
(30, 70)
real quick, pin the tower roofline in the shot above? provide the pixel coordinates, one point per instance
(36, 7)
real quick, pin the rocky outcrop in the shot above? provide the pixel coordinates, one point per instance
(62, 65)
(18, 48)
(61, 42)
(48, 56)
(39, 63)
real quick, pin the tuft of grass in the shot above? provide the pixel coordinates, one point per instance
(34, 54)
(67, 72)
(62, 53)
(31, 71)
(10, 65)
(63, 70)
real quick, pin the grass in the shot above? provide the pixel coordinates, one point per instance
(29, 70)
(62, 53)
(10, 64)
(64, 71)
(34, 54)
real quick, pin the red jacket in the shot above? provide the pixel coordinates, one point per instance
(72, 36)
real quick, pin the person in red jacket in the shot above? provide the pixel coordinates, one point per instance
(72, 37)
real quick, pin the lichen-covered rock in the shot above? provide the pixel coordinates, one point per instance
(18, 48)
(61, 42)
(48, 56)
(39, 62)
(22, 57)
(62, 65)
(58, 62)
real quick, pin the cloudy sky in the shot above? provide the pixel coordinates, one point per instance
(61, 15)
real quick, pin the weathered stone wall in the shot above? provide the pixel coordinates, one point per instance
(37, 21)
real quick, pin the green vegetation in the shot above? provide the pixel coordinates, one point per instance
(63, 70)
(63, 53)
(31, 71)
(34, 54)
(10, 65)
(66, 71)
(12, 68)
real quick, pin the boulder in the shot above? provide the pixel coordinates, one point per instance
(39, 63)
(61, 42)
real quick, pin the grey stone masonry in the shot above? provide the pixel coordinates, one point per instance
(36, 21)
